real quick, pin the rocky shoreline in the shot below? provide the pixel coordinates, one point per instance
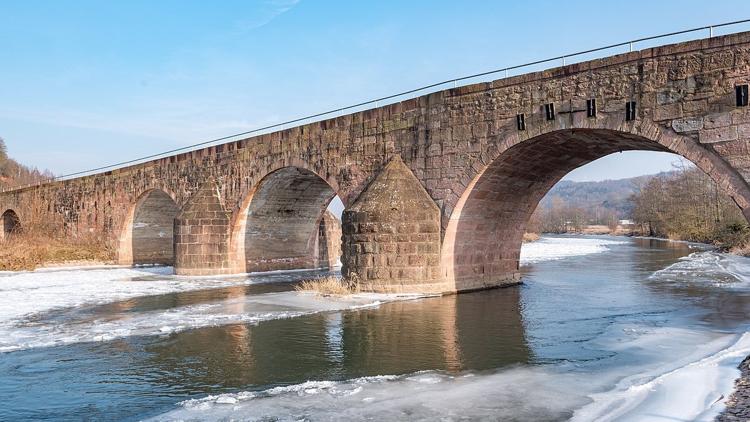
(738, 404)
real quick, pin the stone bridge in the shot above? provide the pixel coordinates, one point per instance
(437, 189)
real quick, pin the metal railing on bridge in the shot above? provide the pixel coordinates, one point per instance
(389, 99)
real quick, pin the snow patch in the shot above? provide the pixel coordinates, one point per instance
(27, 293)
(554, 248)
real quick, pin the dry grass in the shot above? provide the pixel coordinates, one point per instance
(530, 237)
(743, 250)
(335, 286)
(42, 240)
(28, 251)
(328, 286)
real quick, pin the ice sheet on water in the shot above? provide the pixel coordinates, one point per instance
(518, 394)
(553, 248)
(694, 388)
(708, 268)
(26, 294)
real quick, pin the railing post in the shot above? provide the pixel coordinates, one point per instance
(630, 44)
(710, 32)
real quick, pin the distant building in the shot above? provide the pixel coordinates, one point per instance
(626, 222)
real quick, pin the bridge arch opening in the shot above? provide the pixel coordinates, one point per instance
(11, 223)
(291, 220)
(483, 235)
(149, 235)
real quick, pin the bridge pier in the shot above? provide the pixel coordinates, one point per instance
(391, 235)
(201, 236)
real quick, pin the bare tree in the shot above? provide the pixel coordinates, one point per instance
(686, 204)
(3, 151)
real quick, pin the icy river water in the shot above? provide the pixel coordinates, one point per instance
(602, 328)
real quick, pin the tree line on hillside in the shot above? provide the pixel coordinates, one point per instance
(14, 174)
(686, 204)
(572, 206)
(560, 215)
(681, 204)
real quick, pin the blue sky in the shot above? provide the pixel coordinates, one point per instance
(88, 83)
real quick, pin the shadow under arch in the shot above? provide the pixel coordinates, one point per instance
(280, 224)
(147, 236)
(11, 222)
(483, 237)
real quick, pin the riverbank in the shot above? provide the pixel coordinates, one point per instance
(738, 405)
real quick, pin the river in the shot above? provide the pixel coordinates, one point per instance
(602, 328)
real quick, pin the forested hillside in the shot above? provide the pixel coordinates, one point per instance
(686, 204)
(13, 173)
(607, 195)
(570, 206)
(681, 204)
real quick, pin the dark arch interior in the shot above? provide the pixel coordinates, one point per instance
(287, 225)
(11, 222)
(494, 217)
(153, 229)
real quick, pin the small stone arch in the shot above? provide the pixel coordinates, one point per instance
(11, 223)
(147, 236)
(278, 224)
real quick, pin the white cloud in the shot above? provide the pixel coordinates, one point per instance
(270, 10)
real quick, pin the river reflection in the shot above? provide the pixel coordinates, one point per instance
(708, 280)
(450, 333)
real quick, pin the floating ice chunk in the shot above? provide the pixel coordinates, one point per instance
(226, 400)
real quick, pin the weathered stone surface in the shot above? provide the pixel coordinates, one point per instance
(717, 120)
(462, 147)
(709, 136)
(668, 112)
(690, 124)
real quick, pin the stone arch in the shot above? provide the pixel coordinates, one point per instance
(147, 236)
(483, 234)
(11, 223)
(279, 224)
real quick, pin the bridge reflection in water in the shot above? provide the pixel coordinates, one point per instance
(451, 333)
